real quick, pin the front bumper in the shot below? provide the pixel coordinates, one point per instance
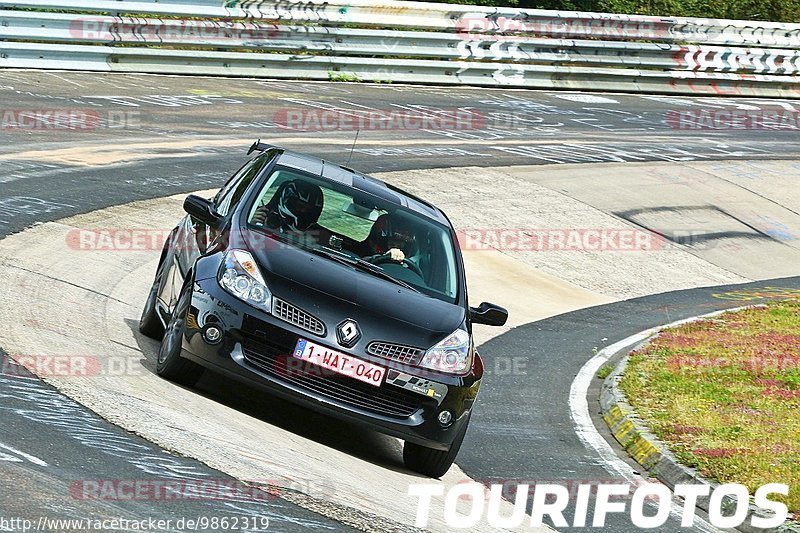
(256, 348)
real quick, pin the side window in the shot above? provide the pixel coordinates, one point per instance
(232, 192)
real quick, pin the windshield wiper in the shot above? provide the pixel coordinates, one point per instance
(344, 259)
(365, 266)
(378, 271)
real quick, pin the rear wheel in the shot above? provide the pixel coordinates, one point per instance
(170, 364)
(430, 462)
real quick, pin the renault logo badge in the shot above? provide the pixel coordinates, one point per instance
(347, 333)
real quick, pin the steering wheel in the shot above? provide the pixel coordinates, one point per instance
(405, 262)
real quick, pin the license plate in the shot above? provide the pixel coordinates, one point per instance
(339, 362)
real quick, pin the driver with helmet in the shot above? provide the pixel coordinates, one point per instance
(294, 209)
(389, 237)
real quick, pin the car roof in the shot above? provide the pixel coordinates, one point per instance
(357, 180)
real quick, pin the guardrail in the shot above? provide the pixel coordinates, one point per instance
(405, 42)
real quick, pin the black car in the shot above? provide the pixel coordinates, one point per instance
(328, 288)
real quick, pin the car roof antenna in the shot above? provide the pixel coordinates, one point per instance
(353, 147)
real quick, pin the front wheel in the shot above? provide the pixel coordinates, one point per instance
(170, 364)
(150, 323)
(430, 462)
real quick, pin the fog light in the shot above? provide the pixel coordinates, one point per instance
(212, 334)
(445, 418)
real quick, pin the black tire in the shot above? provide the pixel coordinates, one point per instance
(150, 323)
(430, 462)
(170, 364)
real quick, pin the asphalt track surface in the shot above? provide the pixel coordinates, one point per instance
(75, 466)
(533, 443)
(522, 429)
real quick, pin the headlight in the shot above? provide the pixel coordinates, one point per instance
(453, 355)
(239, 275)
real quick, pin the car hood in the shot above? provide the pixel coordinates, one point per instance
(333, 292)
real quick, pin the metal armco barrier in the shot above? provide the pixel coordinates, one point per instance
(405, 42)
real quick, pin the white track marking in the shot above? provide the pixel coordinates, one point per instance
(584, 98)
(31, 458)
(585, 428)
(65, 80)
(31, 378)
(579, 407)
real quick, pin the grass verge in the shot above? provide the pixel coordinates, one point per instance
(724, 395)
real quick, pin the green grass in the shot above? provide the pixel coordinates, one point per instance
(724, 395)
(335, 218)
(344, 76)
(605, 371)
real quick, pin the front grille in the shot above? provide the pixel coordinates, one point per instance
(275, 359)
(297, 317)
(396, 352)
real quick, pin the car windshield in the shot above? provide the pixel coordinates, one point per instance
(355, 225)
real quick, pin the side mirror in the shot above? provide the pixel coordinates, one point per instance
(489, 314)
(202, 210)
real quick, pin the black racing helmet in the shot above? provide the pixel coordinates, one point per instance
(393, 231)
(300, 204)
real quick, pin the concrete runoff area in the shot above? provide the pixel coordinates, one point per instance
(64, 300)
(563, 199)
(740, 217)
